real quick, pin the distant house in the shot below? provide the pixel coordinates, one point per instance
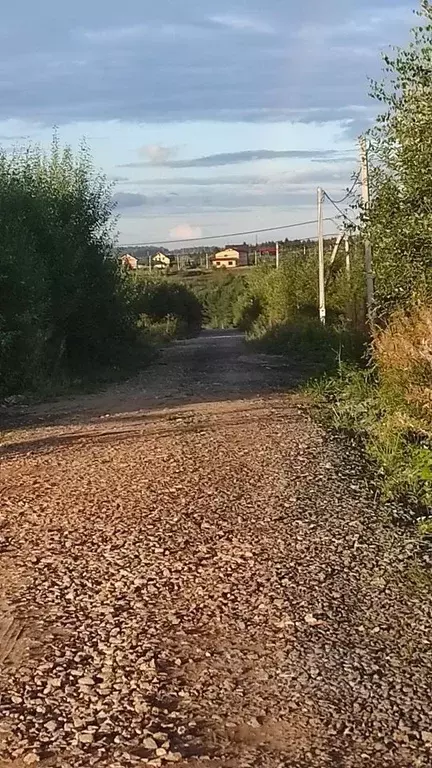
(267, 250)
(229, 258)
(128, 261)
(161, 261)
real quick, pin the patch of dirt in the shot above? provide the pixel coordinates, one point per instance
(278, 736)
(12, 637)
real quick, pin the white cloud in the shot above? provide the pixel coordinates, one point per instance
(136, 32)
(157, 154)
(243, 23)
(185, 232)
(116, 34)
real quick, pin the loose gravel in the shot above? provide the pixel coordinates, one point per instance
(192, 573)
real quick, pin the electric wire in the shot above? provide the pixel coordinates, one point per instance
(224, 235)
(350, 191)
(341, 212)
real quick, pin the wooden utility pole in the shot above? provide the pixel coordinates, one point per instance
(206, 260)
(367, 243)
(351, 303)
(336, 248)
(150, 258)
(256, 251)
(321, 271)
(277, 255)
(333, 257)
(347, 259)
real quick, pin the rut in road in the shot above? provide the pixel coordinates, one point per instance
(192, 573)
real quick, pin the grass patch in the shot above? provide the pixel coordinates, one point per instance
(320, 349)
(355, 402)
(420, 578)
(386, 405)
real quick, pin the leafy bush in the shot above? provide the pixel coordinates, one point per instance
(170, 304)
(221, 297)
(290, 294)
(401, 178)
(67, 309)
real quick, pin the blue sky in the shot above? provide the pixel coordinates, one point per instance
(211, 116)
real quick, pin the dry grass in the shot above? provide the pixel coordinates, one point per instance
(403, 352)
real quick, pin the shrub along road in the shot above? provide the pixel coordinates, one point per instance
(193, 573)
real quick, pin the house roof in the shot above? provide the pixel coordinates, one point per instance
(240, 248)
(228, 253)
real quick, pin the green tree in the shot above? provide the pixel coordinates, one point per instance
(64, 304)
(401, 178)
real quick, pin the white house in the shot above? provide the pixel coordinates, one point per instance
(161, 261)
(228, 258)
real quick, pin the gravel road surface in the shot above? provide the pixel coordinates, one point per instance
(193, 573)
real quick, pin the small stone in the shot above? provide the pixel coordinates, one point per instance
(51, 725)
(31, 758)
(16, 699)
(160, 736)
(311, 620)
(427, 737)
(161, 752)
(149, 743)
(86, 681)
(106, 727)
(86, 738)
(284, 624)
(253, 722)
(173, 757)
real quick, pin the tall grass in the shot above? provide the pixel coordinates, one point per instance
(388, 406)
(310, 345)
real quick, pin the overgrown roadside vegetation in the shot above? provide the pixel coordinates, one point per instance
(389, 404)
(380, 391)
(167, 310)
(69, 315)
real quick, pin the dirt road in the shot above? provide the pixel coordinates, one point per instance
(192, 573)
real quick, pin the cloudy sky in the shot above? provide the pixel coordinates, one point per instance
(211, 116)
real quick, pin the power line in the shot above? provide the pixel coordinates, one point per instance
(350, 191)
(339, 209)
(225, 235)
